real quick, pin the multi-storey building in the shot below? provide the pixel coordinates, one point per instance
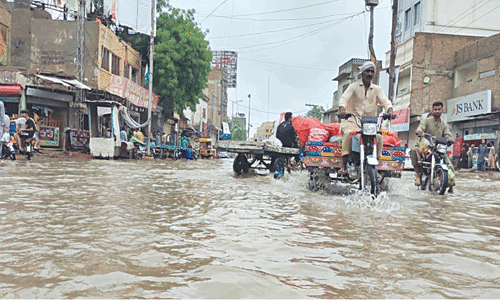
(47, 49)
(264, 131)
(5, 27)
(429, 32)
(474, 106)
(456, 17)
(216, 92)
(348, 73)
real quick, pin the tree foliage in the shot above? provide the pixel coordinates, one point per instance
(182, 60)
(237, 127)
(316, 112)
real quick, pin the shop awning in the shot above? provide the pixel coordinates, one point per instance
(66, 82)
(10, 90)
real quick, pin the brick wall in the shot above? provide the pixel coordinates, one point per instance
(434, 57)
(485, 55)
(120, 48)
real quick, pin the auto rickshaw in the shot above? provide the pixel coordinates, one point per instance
(206, 150)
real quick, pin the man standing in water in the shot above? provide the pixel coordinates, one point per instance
(434, 126)
(361, 99)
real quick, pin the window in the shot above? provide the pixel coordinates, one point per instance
(105, 59)
(416, 18)
(126, 71)
(407, 19)
(115, 64)
(204, 113)
(134, 74)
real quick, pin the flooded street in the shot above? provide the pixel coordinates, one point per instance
(177, 229)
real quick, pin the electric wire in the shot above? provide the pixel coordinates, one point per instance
(296, 38)
(213, 11)
(461, 16)
(284, 65)
(289, 9)
(489, 12)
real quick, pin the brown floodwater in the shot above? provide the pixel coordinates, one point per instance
(191, 229)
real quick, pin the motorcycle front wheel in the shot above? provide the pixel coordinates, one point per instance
(440, 181)
(371, 182)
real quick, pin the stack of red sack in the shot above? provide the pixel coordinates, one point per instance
(304, 127)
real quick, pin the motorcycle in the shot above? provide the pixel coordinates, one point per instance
(362, 166)
(433, 168)
(29, 145)
(8, 151)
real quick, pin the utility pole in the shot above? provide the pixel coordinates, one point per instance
(150, 77)
(249, 96)
(80, 47)
(394, 49)
(373, 58)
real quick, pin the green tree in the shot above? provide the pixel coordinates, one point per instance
(316, 112)
(182, 60)
(237, 127)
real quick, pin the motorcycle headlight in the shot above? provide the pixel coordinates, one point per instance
(369, 129)
(441, 148)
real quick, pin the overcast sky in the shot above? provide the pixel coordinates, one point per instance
(295, 45)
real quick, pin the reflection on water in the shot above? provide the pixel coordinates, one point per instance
(177, 229)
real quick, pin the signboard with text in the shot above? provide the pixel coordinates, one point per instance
(462, 108)
(402, 121)
(131, 91)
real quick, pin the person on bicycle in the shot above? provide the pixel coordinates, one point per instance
(361, 98)
(435, 126)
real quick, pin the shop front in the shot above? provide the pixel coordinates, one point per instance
(52, 110)
(472, 120)
(10, 95)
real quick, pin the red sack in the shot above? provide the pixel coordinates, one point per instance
(392, 139)
(302, 127)
(333, 128)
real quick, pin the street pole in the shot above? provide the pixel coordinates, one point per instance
(394, 48)
(373, 58)
(150, 78)
(249, 96)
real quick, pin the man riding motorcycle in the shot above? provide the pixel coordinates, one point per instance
(28, 131)
(434, 126)
(361, 99)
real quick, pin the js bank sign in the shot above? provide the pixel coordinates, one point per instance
(462, 108)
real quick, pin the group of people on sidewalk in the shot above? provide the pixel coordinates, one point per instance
(485, 157)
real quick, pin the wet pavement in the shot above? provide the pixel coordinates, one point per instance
(191, 229)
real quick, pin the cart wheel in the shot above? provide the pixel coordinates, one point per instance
(240, 165)
(279, 167)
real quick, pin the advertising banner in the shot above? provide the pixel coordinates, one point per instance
(131, 91)
(462, 108)
(402, 121)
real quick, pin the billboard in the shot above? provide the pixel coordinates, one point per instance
(134, 14)
(227, 60)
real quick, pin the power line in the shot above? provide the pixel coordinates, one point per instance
(293, 39)
(289, 9)
(214, 10)
(462, 16)
(284, 65)
(287, 19)
(477, 19)
(271, 31)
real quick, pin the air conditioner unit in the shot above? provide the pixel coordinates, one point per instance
(372, 2)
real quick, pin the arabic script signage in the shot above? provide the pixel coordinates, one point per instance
(131, 91)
